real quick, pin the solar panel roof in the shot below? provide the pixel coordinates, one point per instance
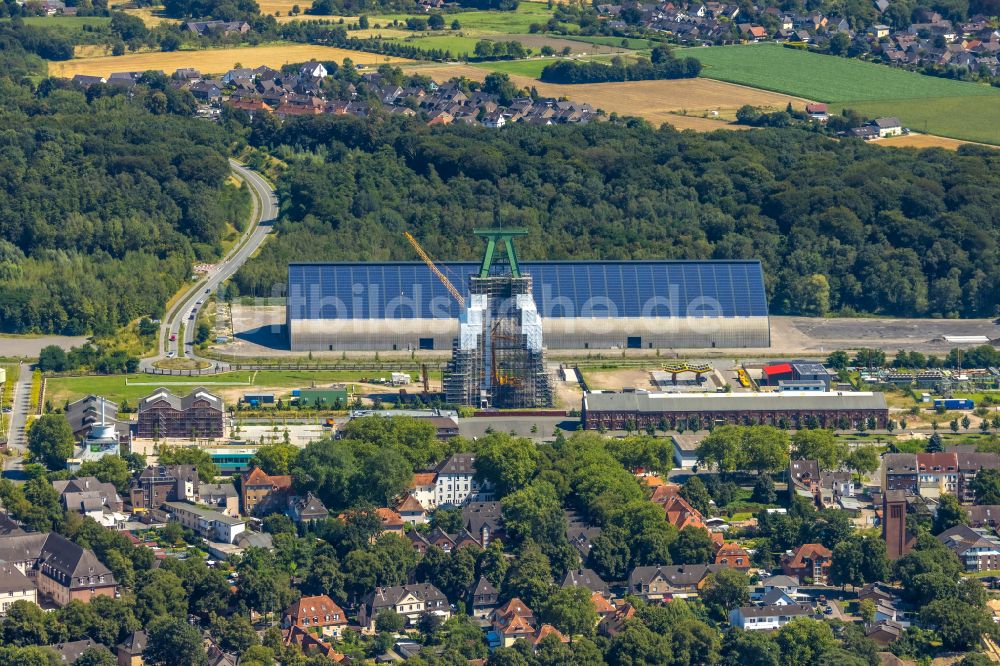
(599, 289)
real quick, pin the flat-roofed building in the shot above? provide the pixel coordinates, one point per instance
(209, 523)
(639, 410)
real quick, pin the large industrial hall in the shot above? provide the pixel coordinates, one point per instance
(582, 304)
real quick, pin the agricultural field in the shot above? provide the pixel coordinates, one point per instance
(482, 22)
(617, 42)
(151, 16)
(969, 118)
(954, 109)
(922, 141)
(821, 77)
(67, 23)
(283, 6)
(215, 60)
(527, 68)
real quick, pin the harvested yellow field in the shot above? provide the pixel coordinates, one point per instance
(922, 141)
(215, 61)
(151, 17)
(91, 50)
(656, 101)
(283, 6)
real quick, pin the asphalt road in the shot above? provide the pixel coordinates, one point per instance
(20, 407)
(184, 312)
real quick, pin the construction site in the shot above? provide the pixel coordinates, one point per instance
(498, 359)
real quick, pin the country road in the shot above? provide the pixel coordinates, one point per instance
(20, 408)
(265, 211)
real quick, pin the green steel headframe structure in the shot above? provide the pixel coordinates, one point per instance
(506, 237)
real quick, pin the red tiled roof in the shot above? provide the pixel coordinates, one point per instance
(317, 607)
(409, 504)
(423, 479)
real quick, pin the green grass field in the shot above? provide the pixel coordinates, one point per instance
(457, 45)
(66, 22)
(955, 109)
(821, 77)
(115, 388)
(503, 23)
(632, 43)
(532, 68)
(970, 118)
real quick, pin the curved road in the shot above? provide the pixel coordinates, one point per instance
(184, 311)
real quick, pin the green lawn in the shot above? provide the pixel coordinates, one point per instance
(956, 109)
(532, 68)
(822, 77)
(974, 118)
(61, 389)
(633, 43)
(488, 21)
(66, 22)
(457, 45)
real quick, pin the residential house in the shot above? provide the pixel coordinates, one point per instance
(86, 80)
(810, 560)
(512, 621)
(163, 414)
(680, 514)
(70, 651)
(422, 489)
(817, 111)
(734, 556)
(186, 74)
(62, 570)
(580, 534)
(456, 482)
(663, 583)
(984, 515)
(317, 614)
(803, 476)
(392, 522)
(977, 549)
(888, 126)
(899, 472)
(209, 523)
(89, 497)
(130, 651)
(587, 578)
(483, 599)
(762, 618)
(163, 483)
(411, 601)
(937, 474)
(483, 520)
(971, 462)
(220, 496)
(202, 28)
(311, 645)
(886, 632)
(313, 69)
(612, 625)
(206, 91)
(261, 493)
(15, 586)
(411, 511)
(306, 509)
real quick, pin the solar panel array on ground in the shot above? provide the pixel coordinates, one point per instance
(602, 289)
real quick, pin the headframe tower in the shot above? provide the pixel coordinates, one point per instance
(498, 360)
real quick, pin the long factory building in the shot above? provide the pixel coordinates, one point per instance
(583, 305)
(694, 411)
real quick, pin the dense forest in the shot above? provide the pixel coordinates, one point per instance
(105, 203)
(840, 226)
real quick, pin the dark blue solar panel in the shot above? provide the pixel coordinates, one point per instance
(561, 289)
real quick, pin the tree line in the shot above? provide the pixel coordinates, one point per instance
(663, 65)
(839, 226)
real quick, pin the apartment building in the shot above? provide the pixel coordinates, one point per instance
(165, 415)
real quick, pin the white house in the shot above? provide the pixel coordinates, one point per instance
(15, 586)
(313, 69)
(888, 126)
(456, 482)
(761, 618)
(209, 523)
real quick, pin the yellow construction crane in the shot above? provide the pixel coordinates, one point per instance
(430, 264)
